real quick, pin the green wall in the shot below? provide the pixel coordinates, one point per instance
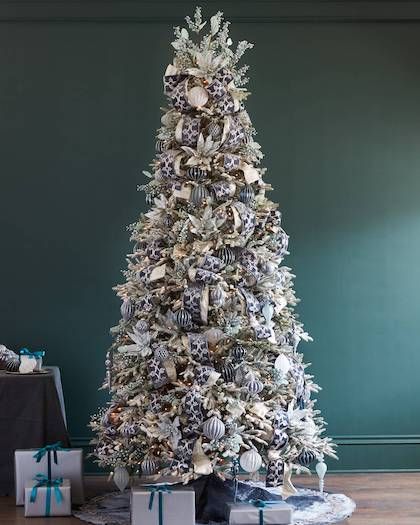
(337, 107)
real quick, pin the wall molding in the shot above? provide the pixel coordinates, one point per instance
(160, 11)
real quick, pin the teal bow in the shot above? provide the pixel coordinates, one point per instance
(261, 505)
(47, 450)
(43, 481)
(160, 489)
(36, 355)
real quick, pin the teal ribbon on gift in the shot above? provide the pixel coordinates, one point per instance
(48, 450)
(36, 355)
(161, 490)
(261, 505)
(42, 481)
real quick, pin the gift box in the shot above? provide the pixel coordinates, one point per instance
(44, 497)
(259, 512)
(30, 361)
(64, 463)
(162, 505)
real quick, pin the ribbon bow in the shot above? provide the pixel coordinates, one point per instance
(43, 481)
(36, 355)
(160, 489)
(261, 505)
(47, 450)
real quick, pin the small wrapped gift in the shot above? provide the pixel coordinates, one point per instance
(259, 512)
(47, 497)
(163, 505)
(53, 461)
(30, 361)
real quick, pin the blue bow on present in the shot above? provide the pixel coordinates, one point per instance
(47, 450)
(160, 489)
(43, 481)
(36, 355)
(261, 505)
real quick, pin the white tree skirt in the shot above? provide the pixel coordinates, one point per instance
(309, 508)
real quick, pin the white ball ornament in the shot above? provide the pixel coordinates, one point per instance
(282, 364)
(121, 478)
(197, 97)
(250, 461)
(214, 428)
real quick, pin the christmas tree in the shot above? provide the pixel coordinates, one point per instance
(204, 370)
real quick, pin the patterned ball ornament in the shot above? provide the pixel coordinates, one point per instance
(227, 255)
(228, 372)
(214, 428)
(214, 129)
(254, 386)
(195, 173)
(238, 353)
(199, 194)
(247, 194)
(306, 457)
(183, 318)
(250, 461)
(161, 146)
(161, 352)
(149, 466)
(127, 309)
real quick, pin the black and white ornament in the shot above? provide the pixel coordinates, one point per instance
(199, 195)
(149, 466)
(127, 309)
(217, 296)
(214, 428)
(247, 194)
(161, 146)
(306, 457)
(251, 461)
(227, 255)
(195, 173)
(238, 353)
(227, 371)
(254, 386)
(161, 352)
(183, 318)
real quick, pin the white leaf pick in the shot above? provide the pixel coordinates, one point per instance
(321, 470)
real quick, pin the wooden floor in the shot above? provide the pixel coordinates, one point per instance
(382, 499)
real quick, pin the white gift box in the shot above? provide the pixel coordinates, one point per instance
(41, 507)
(69, 465)
(178, 506)
(277, 513)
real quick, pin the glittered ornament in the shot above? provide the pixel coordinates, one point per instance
(142, 326)
(227, 255)
(214, 129)
(127, 309)
(250, 461)
(161, 352)
(195, 173)
(214, 428)
(183, 318)
(306, 457)
(217, 296)
(121, 478)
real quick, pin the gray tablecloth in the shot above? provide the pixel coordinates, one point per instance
(31, 416)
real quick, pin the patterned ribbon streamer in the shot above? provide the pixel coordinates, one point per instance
(261, 505)
(36, 355)
(47, 450)
(160, 489)
(43, 481)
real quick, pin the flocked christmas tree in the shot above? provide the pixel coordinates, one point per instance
(204, 370)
